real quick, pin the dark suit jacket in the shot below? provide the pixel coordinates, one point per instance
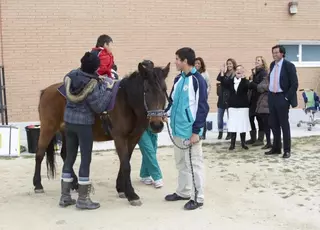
(288, 81)
(239, 98)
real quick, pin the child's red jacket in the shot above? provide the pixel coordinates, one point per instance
(106, 61)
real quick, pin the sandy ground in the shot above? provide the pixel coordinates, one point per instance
(243, 189)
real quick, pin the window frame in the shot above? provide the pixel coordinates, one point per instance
(299, 43)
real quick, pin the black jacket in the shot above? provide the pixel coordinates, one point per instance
(239, 98)
(223, 93)
(253, 93)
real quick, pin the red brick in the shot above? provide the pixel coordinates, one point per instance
(43, 40)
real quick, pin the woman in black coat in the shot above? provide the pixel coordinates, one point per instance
(258, 74)
(238, 103)
(223, 94)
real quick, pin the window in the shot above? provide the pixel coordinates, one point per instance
(303, 53)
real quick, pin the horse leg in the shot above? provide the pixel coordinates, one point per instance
(45, 139)
(120, 186)
(63, 155)
(125, 167)
(132, 142)
(38, 188)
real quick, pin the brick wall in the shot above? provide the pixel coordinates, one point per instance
(43, 40)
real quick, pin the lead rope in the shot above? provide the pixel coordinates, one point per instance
(189, 146)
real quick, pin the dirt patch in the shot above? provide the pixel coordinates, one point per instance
(243, 189)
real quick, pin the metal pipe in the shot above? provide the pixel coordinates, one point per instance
(2, 105)
(3, 86)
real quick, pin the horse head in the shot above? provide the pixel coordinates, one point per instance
(154, 93)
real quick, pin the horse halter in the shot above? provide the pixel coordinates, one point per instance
(154, 113)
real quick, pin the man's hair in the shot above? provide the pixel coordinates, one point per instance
(282, 50)
(102, 39)
(90, 63)
(187, 53)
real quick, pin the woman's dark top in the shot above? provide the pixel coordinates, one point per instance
(253, 94)
(239, 98)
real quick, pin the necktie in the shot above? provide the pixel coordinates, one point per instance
(275, 79)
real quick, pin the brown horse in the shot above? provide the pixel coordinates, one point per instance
(139, 102)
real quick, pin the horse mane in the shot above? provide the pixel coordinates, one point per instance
(129, 78)
(133, 86)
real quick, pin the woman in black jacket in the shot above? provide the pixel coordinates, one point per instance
(223, 94)
(238, 103)
(258, 74)
(86, 95)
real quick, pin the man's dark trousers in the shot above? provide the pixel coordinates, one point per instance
(279, 117)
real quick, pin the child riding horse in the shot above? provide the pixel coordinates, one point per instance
(138, 103)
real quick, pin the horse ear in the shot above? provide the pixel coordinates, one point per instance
(142, 69)
(166, 70)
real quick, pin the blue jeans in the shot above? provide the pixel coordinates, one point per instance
(148, 145)
(220, 119)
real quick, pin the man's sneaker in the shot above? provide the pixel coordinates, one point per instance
(192, 205)
(158, 183)
(175, 197)
(146, 180)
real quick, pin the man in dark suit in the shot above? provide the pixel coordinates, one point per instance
(283, 86)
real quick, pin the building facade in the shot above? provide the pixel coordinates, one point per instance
(42, 40)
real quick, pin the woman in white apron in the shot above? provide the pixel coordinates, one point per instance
(238, 121)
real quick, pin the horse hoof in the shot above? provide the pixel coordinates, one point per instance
(122, 195)
(135, 202)
(39, 190)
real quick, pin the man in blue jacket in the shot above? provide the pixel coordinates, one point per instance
(188, 111)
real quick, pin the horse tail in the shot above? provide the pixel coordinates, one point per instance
(50, 159)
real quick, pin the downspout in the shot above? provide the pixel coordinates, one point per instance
(3, 96)
(1, 34)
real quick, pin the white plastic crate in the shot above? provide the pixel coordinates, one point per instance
(9, 141)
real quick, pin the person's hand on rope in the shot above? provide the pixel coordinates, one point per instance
(194, 138)
(165, 119)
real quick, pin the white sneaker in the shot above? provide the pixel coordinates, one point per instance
(158, 183)
(146, 180)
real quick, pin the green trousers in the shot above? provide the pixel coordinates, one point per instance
(148, 145)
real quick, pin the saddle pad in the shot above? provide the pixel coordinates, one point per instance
(62, 91)
(115, 88)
